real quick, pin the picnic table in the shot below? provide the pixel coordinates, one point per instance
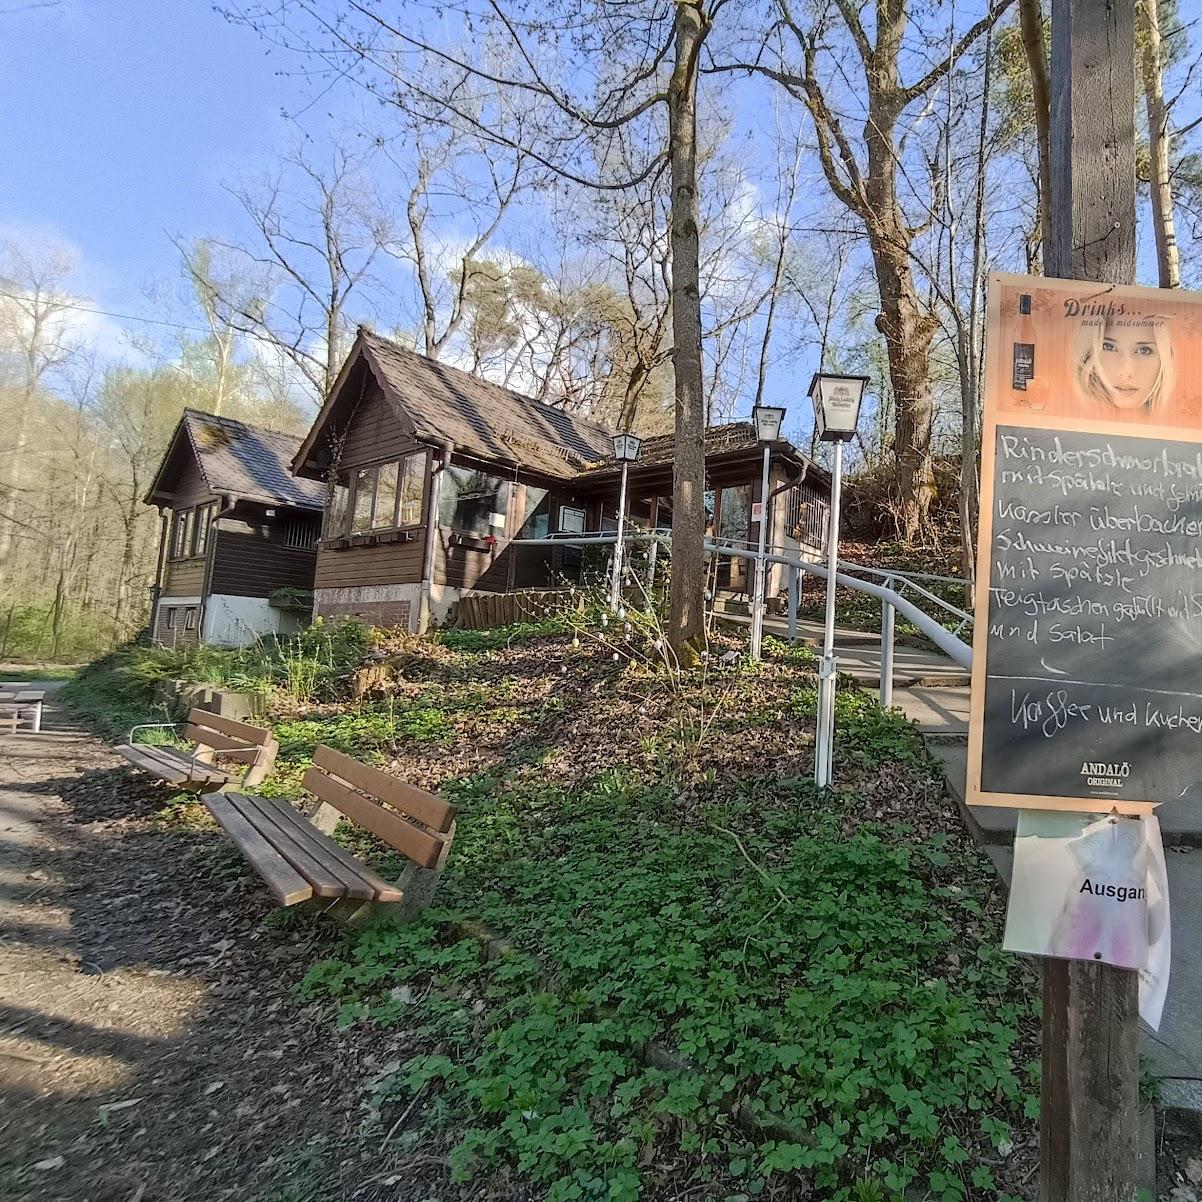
(17, 699)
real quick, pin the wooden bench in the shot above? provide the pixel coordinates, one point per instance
(298, 860)
(212, 735)
(17, 701)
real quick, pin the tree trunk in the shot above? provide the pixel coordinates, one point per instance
(1168, 261)
(909, 329)
(1030, 17)
(686, 625)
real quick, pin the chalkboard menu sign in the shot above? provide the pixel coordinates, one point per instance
(1087, 673)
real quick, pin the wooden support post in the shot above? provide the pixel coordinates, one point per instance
(1089, 1108)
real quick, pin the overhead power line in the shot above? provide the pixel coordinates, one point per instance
(151, 321)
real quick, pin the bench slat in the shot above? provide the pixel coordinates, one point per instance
(287, 885)
(140, 757)
(228, 726)
(196, 771)
(328, 874)
(420, 846)
(429, 810)
(172, 765)
(222, 743)
(310, 836)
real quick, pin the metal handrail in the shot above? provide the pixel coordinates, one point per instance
(950, 644)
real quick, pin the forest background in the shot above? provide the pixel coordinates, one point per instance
(489, 182)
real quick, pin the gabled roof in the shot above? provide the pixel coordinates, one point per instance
(733, 439)
(441, 402)
(242, 460)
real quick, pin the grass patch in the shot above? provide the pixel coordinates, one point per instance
(836, 1007)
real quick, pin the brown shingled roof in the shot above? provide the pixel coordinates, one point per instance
(243, 460)
(482, 418)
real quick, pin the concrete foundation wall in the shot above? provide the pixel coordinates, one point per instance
(237, 621)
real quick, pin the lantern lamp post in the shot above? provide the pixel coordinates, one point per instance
(836, 412)
(768, 421)
(626, 451)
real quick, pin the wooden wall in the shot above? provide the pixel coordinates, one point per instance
(385, 563)
(376, 434)
(185, 577)
(245, 564)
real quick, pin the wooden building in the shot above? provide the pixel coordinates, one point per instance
(238, 544)
(433, 473)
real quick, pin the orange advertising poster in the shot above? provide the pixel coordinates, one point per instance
(1087, 657)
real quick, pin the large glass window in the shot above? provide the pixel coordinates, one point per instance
(365, 496)
(413, 488)
(200, 534)
(337, 511)
(382, 497)
(734, 513)
(469, 499)
(386, 496)
(536, 513)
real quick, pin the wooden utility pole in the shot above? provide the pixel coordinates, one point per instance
(1089, 1110)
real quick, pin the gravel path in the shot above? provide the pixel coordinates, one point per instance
(151, 1046)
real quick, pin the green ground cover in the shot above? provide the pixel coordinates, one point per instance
(714, 978)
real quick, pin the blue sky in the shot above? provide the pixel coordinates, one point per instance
(119, 122)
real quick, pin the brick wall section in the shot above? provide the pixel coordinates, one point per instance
(386, 614)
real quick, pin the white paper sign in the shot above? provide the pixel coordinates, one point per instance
(1093, 887)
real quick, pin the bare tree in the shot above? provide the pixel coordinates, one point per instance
(872, 179)
(1160, 183)
(317, 229)
(35, 340)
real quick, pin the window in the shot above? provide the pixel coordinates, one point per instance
(190, 534)
(190, 618)
(338, 510)
(734, 513)
(385, 496)
(365, 498)
(177, 537)
(536, 514)
(200, 532)
(170, 619)
(469, 500)
(300, 534)
(413, 488)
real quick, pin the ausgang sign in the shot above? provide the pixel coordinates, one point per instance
(1087, 672)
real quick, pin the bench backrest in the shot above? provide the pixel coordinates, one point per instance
(416, 823)
(225, 735)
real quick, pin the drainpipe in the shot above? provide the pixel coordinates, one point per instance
(423, 608)
(164, 528)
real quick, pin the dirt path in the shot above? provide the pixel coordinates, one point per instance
(151, 1045)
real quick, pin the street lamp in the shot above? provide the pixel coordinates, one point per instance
(768, 421)
(836, 412)
(626, 451)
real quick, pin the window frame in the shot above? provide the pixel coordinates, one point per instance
(202, 527)
(169, 619)
(408, 500)
(506, 484)
(189, 617)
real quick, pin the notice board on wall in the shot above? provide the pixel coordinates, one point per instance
(1087, 658)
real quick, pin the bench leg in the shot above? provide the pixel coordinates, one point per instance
(258, 772)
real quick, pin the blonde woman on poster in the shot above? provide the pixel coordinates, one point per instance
(1123, 366)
